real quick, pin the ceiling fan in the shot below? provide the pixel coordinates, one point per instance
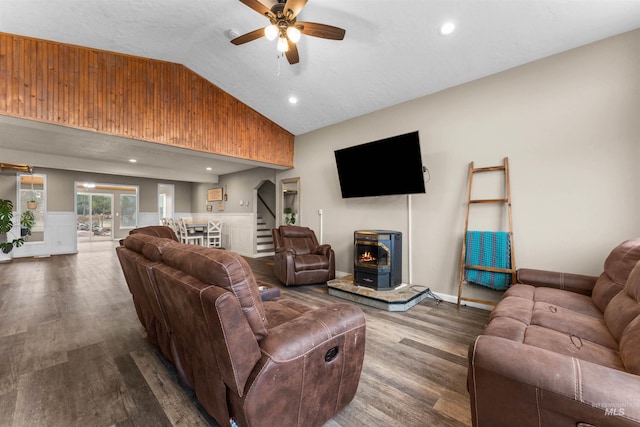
(282, 15)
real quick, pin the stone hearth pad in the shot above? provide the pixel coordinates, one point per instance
(402, 298)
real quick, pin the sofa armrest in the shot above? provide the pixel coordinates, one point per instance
(552, 279)
(299, 336)
(283, 265)
(511, 383)
(323, 250)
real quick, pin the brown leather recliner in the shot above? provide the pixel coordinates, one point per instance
(299, 259)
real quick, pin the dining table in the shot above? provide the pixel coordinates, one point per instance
(195, 228)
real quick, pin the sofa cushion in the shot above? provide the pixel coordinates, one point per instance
(148, 245)
(518, 302)
(157, 231)
(226, 270)
(572, 345)
(624, 307)
(310, 262)
(517, 308)
(575, 302)
(300, 240)
(569, 322)
(629, 345)
(281, 311)
(556, 320)
(617, 267)
(294, 231)
(135, 242)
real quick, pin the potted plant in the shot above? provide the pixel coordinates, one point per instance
(27, 219)
(6, 225)
(290, 217)
(32, 203)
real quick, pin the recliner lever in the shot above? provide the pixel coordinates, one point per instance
(331, 354)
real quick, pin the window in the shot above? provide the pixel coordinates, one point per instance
(32, 197)
(128, 211)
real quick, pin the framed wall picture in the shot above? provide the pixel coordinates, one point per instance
(214, 195)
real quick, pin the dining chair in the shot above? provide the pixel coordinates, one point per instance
(214, 234)
(186, 237)
(173, 223)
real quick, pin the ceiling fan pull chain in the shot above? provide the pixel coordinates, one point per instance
(278, 61)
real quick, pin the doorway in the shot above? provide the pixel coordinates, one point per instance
(290, 201)
(165, 201)
(95, 217)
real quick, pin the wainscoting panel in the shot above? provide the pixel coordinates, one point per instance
(59, 237)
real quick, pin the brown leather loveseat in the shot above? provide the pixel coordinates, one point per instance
(276, 362)
(562, 349)
(299, 259)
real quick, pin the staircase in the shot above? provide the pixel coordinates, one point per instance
(264, 238)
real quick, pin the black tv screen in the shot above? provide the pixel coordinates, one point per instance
(385, 167)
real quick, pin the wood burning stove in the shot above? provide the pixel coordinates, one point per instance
(377, 259)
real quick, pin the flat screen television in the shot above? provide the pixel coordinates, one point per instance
(390, 166)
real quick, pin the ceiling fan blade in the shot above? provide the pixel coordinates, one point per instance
(260, 7)
(249, 37)
(295, 6)
(320, 30)
(292, 53)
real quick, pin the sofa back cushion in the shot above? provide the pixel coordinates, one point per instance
(148, 245)
(625, 306)
(226, 270)
(301, 240)
(157, 231)
(617, 267)
(629, 345)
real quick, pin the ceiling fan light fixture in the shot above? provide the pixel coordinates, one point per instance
(283, 46)
(447, 28)
(293, 34)
(271, 32)
(283, 24)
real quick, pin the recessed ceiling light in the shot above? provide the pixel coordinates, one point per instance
(293, 100)
(132, 160)
(232, 33)
(209, 169)
(447, 28)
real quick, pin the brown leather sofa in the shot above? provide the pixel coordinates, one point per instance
(562, 349)
(299, 259)
(276, 362)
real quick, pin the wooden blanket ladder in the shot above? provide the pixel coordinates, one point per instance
(506, 201)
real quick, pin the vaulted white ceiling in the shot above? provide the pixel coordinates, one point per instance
(392, 51)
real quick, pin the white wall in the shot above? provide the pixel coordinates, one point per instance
(570, 127)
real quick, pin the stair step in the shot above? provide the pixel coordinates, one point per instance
(264, 241)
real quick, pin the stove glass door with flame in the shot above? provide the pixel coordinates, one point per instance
(372, 255)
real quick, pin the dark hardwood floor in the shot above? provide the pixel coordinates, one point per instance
(73, 353)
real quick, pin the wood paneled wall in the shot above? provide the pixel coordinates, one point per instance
(132, 97)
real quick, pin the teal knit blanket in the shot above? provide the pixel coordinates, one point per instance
(488, 249)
